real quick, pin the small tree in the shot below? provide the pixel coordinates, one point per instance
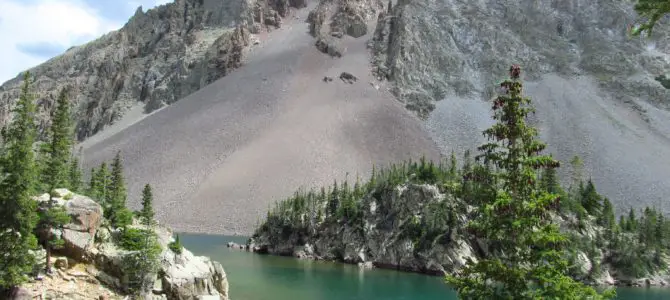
(147, 212)
(142, 265)
(652, 11)
(117, 192)
(102, 183)
(527, 259)
(176, 246)
(74, 175)
(52, 219)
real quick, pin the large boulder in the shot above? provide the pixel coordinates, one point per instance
(186, 276)
(79, 234)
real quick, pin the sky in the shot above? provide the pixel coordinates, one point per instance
(32, 31)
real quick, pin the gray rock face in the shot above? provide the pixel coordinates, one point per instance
(384, 240)
(343, 17)
(465, 47)
(157, 58)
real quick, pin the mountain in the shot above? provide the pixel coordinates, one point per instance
(226, 106)
(157, 58)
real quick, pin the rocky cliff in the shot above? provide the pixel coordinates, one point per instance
(91, 256)
(158, 57)
(435, 48)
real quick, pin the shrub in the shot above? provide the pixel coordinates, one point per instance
(176, 246)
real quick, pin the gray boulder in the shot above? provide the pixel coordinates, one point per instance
(186, 276)
(328, 46)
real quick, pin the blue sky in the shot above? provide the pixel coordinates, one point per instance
(32, 31)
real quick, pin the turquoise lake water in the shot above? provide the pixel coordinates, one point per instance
(262, 277)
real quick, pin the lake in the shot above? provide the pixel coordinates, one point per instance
(262, 277)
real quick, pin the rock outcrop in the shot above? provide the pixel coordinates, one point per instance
(157, 58)
(417, 228)
(91, 254)
(383, 240)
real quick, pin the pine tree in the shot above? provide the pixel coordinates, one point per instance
(74, 175)
(52, 218)
(632, 220)
(590, 199)
(147, 212)
(117, 192)
(58, 145)
(92, 184)
(18, 216)
(549, 181)
(453, 172)
(652, 11)
(102, 183)
(527, 260)
(141, 266)
(607, 218)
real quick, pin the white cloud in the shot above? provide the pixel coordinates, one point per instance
(47, 22)
(29, 30)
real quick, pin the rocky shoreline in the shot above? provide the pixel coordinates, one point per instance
(391, 248)
(90, 263)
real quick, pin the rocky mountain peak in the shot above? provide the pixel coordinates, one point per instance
(156, 58)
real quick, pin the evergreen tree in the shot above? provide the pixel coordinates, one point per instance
(632, 220)
(527, 261)
(58, 146)
(549, 181)
(92, 184)
(74, 175)
(117, 191)
(102, 183)
(607, 218)
(652, 11)
(18, 216)
(52, 218)
(142, 265)
(147, 212)
(590, 199)
(453, 172)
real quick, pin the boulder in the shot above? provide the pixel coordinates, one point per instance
(79, 234)
(348, 77)
(328, 46)
(186, 276)
(20, 293)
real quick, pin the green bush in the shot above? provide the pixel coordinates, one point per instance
(176, 246)
(123, 218)
(132, 239)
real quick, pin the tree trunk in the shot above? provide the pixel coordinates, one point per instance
(48, 265)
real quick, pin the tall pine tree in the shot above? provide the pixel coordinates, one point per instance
(527, 260)
(147, 212)
(117, 193)
(58, 150)
(102, 183)
(74, 174)
(18, 216)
